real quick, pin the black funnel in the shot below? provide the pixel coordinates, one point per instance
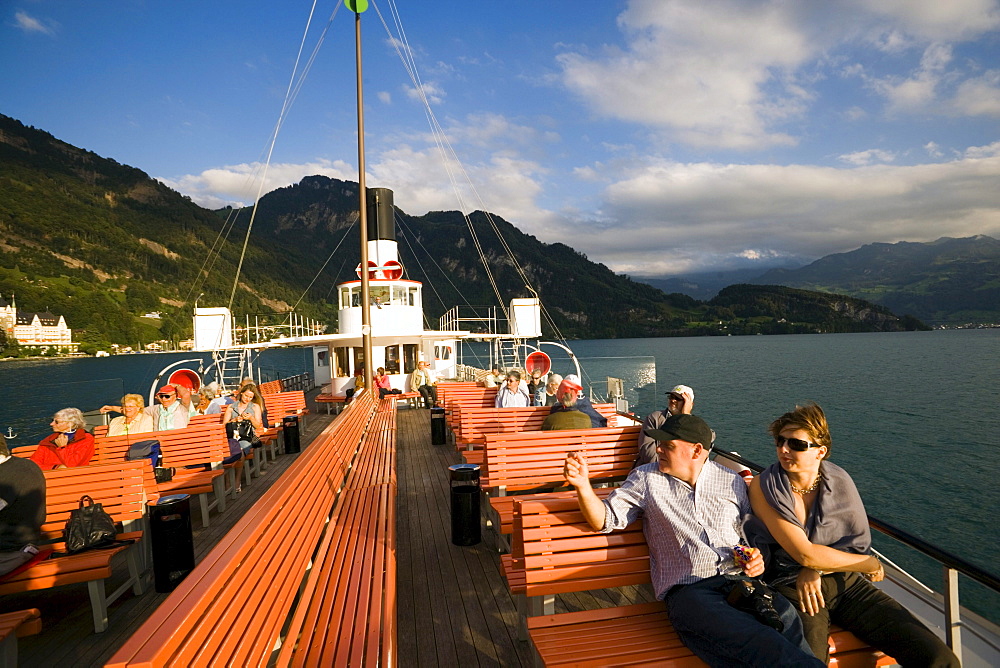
(381, 223)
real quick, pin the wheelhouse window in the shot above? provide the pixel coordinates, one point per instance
(341, 359)
(409, 357)
(392, 359)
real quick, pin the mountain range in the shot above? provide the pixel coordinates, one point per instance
(102, 244)
(943, 282)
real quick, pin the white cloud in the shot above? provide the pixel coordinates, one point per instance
(433, 92)
(707, 73)
(933, 149)
(238, 184)
(933, 20)
(385, 97)
(979, 96)
(675, 217)
(868, 157)
(918, 91)
(29, 23)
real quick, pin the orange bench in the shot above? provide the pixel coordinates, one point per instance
(286, 403)
(191, 446)
(338, 400)
(474, 423)
(271, 387)
(532, 461)
(123, 488)
(14, 625)
(349, 617)
(463, 395)
(268, 560)
(555, 552)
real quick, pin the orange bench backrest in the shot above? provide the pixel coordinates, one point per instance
(194, 444)
(559, 552)
(532, 458)
(123, 488)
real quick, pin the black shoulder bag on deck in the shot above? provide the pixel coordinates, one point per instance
(88, 527)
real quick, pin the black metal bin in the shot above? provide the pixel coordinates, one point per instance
(465, 488)
(172, 541)
(290, 433)
(439, 434)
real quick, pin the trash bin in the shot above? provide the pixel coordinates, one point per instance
(172, 542)
(465, 524)
(290, 432)
(439, 435)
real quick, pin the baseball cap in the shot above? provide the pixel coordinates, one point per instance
(684, 391)
(683, 427)
(169, 389)
(570, 382)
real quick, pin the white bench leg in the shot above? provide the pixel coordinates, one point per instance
(220, 492)
(98, 605)
(8, 651)
(135, 571)
(203, 500)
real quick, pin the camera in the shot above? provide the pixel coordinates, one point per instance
(755, 597)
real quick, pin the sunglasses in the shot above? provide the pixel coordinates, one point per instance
(674, 397)
(796, 444)
(164, 395)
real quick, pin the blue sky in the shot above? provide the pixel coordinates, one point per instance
(656, 136)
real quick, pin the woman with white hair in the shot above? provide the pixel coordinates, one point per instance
(68, 445)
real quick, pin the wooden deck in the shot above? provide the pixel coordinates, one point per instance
(453, 604)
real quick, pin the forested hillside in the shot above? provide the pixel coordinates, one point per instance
(102, 244)
(948, 281)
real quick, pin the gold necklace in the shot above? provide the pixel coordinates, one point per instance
(810, 488)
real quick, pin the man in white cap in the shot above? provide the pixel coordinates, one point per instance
(680, 401)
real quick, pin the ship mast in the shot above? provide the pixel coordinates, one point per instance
(359, 6)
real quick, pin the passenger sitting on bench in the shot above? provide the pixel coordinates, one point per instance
(812, 527)
(582, 404)
(68, 445)
(568, 417)
(381, 381)
(692, 510)
(22, 509)
(423, 381)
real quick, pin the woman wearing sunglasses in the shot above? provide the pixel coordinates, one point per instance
(812, 527)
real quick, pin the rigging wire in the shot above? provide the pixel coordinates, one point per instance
(294, 86)
(329, 257)
(449, 155)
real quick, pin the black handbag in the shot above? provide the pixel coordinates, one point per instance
(163, 473)
(88, 527)
(244, 431)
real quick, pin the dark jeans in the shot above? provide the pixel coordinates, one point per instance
(721, 635)
(429, 393)
(855, 604)
(382, 392)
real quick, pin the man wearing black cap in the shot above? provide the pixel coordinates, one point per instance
(692, 512)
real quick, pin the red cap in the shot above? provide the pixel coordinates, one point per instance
(167, 388)
(568, 386)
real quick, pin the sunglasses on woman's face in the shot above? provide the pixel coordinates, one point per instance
(796, 444)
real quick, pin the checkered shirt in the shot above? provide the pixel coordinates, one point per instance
(690, 531)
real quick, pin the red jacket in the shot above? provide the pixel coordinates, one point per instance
(77, 452)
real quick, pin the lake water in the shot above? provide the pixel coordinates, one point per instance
(913, 415)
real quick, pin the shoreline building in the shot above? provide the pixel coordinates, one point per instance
(42, 330)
